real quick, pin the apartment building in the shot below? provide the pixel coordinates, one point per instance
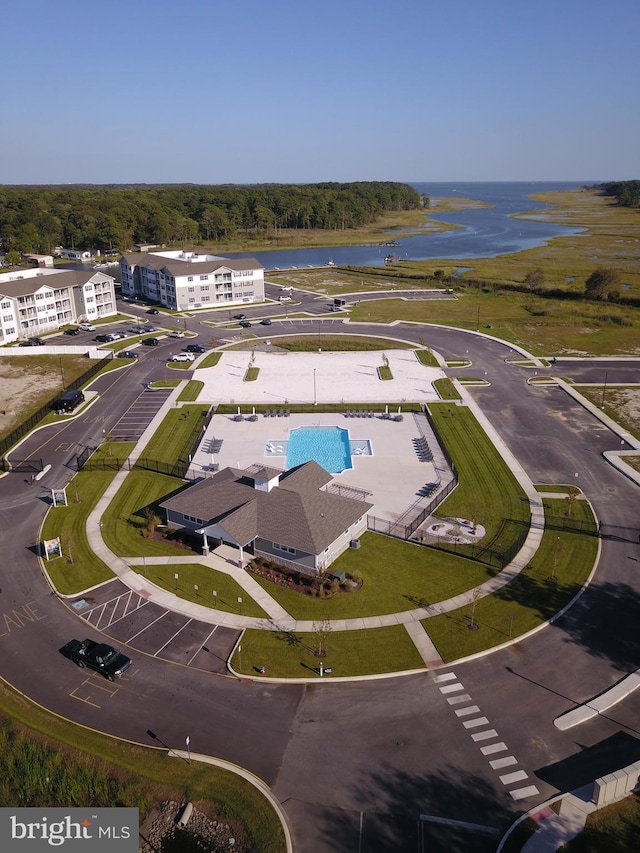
(33, 301)
(185, 280)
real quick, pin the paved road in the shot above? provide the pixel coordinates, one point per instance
(354, 765)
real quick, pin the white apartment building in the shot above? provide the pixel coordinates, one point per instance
(33, 301)
(184, 280)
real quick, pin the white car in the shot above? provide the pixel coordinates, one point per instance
(284, 298)
(176, 334)
(86, 327)
(183, 356)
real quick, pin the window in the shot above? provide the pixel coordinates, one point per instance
(192, 290)
(190, 278)
(205, 287)
(204, 278)
(5, 305)
(284, 548)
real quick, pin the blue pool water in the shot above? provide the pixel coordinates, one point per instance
(328, 446)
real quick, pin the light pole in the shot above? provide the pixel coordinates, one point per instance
(315, 403)
(187, 740)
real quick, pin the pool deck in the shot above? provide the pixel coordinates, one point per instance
(393, 474)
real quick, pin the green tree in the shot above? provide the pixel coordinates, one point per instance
(534, 278)
(603, 283)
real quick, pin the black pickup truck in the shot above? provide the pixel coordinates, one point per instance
(97, 656)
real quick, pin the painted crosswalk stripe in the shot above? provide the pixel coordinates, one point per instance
(458, 700)
(510, 778)
(493, 748)
(451, 688)
(447, 676)
(485, 735)
(523, 793)
(464, 712)
(499, 763)
(473, 724)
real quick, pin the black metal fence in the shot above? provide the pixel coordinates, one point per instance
(33, 420)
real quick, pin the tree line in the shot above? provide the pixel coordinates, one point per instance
(626, 193)
(115, 217)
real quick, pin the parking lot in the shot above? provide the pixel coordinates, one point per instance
(130, 619)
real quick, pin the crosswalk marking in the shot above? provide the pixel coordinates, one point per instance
(451, 688)
(493, 748)
(473, 724)
(485, 735)
(523, 793)
(447, 676)
(510, 778)
(499, 763)
(457, 700)
(464, 712)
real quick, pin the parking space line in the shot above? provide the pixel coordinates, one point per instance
(447, 676)
(188, 622)
(142, 630)
(451, 688)
(202, 645)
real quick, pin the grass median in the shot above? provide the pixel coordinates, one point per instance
(553, 577)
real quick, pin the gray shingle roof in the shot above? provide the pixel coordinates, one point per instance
(296, 513)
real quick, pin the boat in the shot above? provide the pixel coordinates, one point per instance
(391, 259)
(392, 243)
(330, 263)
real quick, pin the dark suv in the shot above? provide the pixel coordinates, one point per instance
(195, 348)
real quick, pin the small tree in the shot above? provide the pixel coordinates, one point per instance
(476, 595)
(321, 629)
(603, 283)
(534, 278)
(572, 496)
(151, 521)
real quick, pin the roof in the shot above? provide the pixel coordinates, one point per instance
(178, 267)
(53, 279)
(296, 513)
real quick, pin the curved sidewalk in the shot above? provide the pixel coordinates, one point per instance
(279, 619)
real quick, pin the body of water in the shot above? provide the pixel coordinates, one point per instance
(485, 232)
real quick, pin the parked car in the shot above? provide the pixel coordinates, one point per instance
(152, 311)
(195, 348)
(148, 328)
(127, 353)
(97, 656)
(265, 322)
(104, 339)
(86, 327)
(135, 330)
(245, 324)
(150, 342)
(284, 298)
(176, 334)
(74, 330)
(239, 316)
(183, 356)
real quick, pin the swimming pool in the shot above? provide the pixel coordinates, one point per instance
(328, 446)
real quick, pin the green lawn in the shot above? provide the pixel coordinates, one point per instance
(397, 576)
(191, 391)
(70, 524)
(532, 597)
(488, 493)
(124, 523)
(81, 752)
(290, 655)
(175, 437)
(207, 580)
(613, 829)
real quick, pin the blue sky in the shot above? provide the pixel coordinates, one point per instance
(290, 91)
